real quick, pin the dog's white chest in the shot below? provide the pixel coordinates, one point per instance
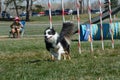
(58, 48)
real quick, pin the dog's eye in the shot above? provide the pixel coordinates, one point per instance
(49, 32)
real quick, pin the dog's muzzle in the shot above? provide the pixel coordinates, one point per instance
(47, 38)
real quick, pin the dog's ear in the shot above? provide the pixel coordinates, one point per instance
(53, 30)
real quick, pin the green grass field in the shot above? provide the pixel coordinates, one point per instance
(27, 59)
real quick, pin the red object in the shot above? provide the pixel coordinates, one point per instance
(42, 13)
(65, 13)
(17, 18)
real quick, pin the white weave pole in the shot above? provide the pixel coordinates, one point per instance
(78, 23)
(110, 12)
(63, 16)
(89, 13)
(101, 26)
(50, 16)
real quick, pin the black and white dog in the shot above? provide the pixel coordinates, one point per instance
(59, 44)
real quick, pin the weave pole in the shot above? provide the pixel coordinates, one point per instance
(50, 16)
(110, 12)
(78, 23)
(101, 26)
(63, 16)
(89, 13)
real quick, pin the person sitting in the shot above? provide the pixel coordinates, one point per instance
(15, 27)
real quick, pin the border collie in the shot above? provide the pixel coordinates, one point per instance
(59, 44)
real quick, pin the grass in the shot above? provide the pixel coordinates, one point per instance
(31, 28)
(84, 17)
(27, 59)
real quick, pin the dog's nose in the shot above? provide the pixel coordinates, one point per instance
(45, 36)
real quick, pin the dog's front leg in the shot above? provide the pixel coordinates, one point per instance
(52, 57)
(59, 56)
(60, 52)
(64, 56)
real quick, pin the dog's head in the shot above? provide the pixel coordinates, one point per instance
(50, 34)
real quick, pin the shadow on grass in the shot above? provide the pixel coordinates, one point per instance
(36, 61)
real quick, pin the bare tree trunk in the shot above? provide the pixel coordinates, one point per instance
(27, 10)
(16, 7)
(87, 6)
(0, 6)
(31, 4)
(6, 6)
(81, 6)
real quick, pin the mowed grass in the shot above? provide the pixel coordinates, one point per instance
(27, 58)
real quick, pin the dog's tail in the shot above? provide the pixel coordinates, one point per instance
(67, 30)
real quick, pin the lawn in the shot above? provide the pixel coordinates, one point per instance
(27, 59)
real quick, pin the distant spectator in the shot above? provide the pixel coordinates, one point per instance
(15, 27)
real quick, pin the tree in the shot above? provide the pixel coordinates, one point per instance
(38, 8)
(82, 6)
(16, 7)
(106, 5)
(0, 6)
(31, 4)
(114, 3)
(27, 10)
(7, 2)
